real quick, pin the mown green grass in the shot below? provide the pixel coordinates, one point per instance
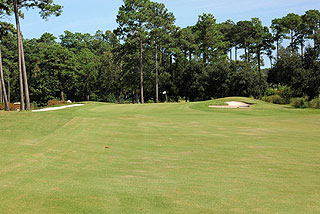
(163, 158)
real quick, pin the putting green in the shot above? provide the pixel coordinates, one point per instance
(163, 158)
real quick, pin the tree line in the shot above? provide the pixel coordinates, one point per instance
(13, 7)
(147, 58)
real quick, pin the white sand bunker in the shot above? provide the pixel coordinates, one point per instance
(232, 104)
(57, 108)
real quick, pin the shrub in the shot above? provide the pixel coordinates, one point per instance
(150, 101)
(286, 93)
(282, 95)
(270, 91)
(94, 97)
(306, 103)
(275, 99)
(110, 98)
(266, 99)
(315, 103)
(56, 102)
(299, 102)
(34, 105)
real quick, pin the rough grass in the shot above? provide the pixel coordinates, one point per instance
(163, 158)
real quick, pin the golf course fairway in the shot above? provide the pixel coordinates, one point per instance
(161, 158)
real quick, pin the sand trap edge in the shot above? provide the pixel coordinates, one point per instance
(57, 108)
(232, 104)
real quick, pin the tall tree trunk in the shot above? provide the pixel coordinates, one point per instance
(205, 58)
(259, 69)
(271, 64)
(9, 92)
(119, 97)
(62, 96)
(25, 78)
(161, 58)
(1, 92)
(22, 106)
(277, 48)
(16, 12)
(291, 44)
(316, 42)
(137, 97)
(157, 73)
(133, 97)
(236, 53)
(245, 50)
(3, 86)
(141, 72)
(302, 48)
(88, 90)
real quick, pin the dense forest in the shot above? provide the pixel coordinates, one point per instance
(147, 58)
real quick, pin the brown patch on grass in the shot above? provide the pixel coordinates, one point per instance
(256, 147)
(129, 176)
(28, 143)
(140, 171)
(170, 167)
(135, 163)
(11, 168)
(12, 106)
(204, 132)
(167, 158)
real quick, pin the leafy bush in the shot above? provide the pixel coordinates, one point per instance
(34, 105)
(110, 98)
(275, 99)
(299, 102)
(270, 91)
(286, 93)
(306, 103)
(280, 95)
(94, 97)
(315, 103)
(150, 101)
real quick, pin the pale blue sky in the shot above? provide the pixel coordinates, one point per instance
(89, 16)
